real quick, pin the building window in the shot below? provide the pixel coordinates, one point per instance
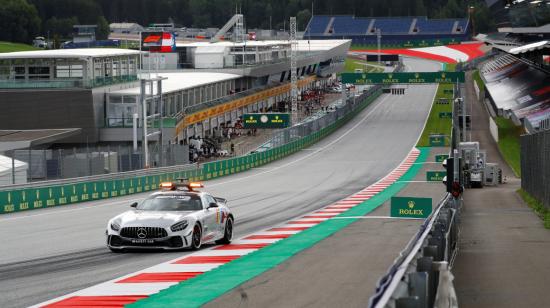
(69, 71)
(98, 65)
(116, 69)
(39, 72)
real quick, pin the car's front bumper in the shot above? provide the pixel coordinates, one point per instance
(168, 243)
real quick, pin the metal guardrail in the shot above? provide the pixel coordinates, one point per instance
(102, 177)
(423, 267)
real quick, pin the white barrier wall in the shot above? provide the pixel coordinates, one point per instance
(477, 89)
(493, 128)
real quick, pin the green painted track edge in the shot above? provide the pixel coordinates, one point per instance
(204, 288)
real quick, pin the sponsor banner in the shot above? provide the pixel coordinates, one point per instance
(411, 207)
(158, 41)
(406, 77)
(441, 158)
(437, 140)
(435, 176)
(266, 120)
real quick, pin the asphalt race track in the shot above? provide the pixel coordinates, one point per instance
(51, 252)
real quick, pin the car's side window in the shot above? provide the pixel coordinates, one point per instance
(209, 199)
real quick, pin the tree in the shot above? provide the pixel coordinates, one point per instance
(103, 29)
(62, 27)
(481, 17)
(19, 21)
(302, 19)
(420, 8)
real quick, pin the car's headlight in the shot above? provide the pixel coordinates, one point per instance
(179, 226)
(115, 225)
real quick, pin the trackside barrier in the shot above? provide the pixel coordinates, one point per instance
(420, 276)
(62, 192)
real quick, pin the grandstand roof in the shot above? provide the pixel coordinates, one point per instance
(304, 45)
(21, 139)
(69, 53)
(181, 81)
(530, 47)
(123, 25)
(231, 44)
(526, 30)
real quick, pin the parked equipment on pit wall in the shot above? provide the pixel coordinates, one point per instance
(476, 171)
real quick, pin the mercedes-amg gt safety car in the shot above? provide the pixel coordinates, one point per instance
(176, 217)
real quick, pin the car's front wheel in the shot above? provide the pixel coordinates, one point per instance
(228, 234)
(196, 238)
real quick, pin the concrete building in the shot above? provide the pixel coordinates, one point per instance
(207, 85)
(63, 88)
(125, 27)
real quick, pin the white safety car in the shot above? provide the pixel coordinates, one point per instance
(176, 217)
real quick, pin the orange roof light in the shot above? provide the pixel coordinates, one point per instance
(196, 185)
(167, 185)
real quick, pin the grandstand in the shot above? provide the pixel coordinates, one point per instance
(414, 31)
(518, 83)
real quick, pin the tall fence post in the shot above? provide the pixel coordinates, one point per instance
(13, 167)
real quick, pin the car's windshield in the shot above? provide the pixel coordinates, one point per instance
(171, 203)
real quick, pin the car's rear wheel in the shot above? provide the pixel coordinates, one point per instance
(228, 234)
(196, 238)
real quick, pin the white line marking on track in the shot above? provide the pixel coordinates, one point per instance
(376, 217)
(418, 182)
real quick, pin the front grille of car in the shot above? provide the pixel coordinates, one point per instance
(143, 232)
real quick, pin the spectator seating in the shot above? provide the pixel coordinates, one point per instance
(348, 25)
(424, 25)
(398, 25)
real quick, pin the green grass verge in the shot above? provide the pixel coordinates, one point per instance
(436, 125)
(351, 64)
(451, 67)
(478, 80)
(509, 143)
(11, 47)
(537, 206)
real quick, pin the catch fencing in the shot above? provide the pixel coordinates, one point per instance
(535, 165)
(17, 198)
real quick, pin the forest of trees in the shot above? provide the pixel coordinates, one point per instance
(21, 20)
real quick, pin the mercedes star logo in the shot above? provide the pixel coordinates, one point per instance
(141, 233)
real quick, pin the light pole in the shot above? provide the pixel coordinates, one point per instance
(472, 19)
(379, 42)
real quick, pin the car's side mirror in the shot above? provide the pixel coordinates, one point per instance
(213, 204)
(135, 204)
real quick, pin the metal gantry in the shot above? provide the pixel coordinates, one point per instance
(293, 71)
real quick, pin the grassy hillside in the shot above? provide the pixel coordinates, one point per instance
(11, 47)
(436, 125)
(509, 143)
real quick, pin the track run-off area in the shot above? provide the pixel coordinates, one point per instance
(52, 252)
